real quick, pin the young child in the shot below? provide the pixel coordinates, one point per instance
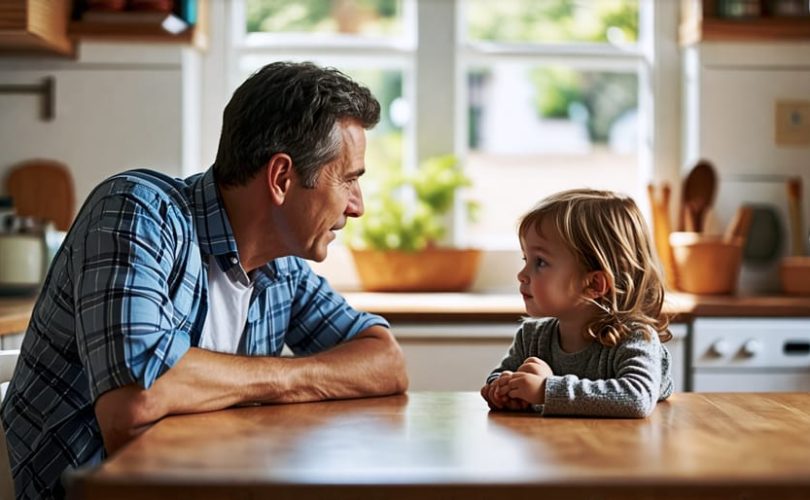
(593, 291)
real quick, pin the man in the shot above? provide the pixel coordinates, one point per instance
(177, 296)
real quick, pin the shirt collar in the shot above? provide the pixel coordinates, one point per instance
(214, 231)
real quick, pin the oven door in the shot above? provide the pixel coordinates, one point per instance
(751, 381)
(750, 354)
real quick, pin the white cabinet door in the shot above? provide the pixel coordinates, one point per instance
(458, 357)
(452, 357)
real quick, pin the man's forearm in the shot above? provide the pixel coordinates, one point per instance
(371, 364)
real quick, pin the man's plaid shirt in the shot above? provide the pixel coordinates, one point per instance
(125, 298)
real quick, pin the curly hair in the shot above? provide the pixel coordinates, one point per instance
(291, 108)
(606, 232)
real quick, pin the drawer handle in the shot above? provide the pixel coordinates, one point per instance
(797, 347)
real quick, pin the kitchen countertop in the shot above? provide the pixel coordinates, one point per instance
(468, 307)
(437, 445)
(486, 307)
(14, 314)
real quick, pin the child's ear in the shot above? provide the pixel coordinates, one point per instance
(597, 284)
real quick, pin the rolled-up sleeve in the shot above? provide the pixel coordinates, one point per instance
(320, 317)
(125, 322)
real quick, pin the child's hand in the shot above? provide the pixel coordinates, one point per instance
(536, 366)
(498, 402)
(528, 383)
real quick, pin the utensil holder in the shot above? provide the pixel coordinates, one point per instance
(705, 264)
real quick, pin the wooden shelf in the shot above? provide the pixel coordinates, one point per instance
(141, 27)
(699, 22)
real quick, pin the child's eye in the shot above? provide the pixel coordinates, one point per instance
(540, 262)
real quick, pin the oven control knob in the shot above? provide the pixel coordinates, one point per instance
(721, 348)
(752, 347)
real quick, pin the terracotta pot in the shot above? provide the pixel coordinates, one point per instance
(429, 270)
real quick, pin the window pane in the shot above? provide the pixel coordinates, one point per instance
(384, 147)
(535, 130)
(376, 18)
(553, 21)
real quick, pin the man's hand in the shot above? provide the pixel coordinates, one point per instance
(497, 402)
(527, 384)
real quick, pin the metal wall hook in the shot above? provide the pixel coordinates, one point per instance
(45, 89)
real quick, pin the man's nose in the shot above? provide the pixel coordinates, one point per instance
(355, 206)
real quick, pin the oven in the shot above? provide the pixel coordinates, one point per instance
(750, 355)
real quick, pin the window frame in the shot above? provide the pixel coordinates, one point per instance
(439, 119)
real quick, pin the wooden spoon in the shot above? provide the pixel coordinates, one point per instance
(698, 194)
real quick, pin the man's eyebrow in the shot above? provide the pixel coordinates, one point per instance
(356, 173)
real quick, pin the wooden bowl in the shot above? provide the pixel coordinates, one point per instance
(429, 270)
(794, 274)
(705, 264)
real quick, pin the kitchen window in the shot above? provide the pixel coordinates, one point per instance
(534, 96)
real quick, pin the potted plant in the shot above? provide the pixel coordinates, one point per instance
(399, 245)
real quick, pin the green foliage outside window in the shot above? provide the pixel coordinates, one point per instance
(408, 212)
(371, 17)
(551, 21)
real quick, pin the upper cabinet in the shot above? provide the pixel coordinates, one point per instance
(35, 27)
(744, 20)
(162, 21)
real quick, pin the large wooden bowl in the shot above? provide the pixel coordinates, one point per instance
(429, 270)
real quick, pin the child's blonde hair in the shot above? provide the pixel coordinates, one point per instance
(606, 232)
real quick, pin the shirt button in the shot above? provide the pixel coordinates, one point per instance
(234, 260)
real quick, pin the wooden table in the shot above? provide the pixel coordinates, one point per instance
(448, 446)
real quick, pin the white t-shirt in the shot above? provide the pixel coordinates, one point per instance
(228, 302)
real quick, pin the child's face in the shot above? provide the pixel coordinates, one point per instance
(551, 281)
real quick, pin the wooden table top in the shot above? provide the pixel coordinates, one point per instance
(448, 445)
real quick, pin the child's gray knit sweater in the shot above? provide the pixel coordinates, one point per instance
(622, 381)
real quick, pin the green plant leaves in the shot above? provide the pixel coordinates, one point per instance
(408, 213)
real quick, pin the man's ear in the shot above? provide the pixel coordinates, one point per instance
(279, 176)
(597, 284)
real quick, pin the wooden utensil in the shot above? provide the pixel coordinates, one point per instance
(739, 225)
(794, 192)
(661, 230)
(698, 195)
(44, 189)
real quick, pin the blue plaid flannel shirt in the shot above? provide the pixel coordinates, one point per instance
(125, 298)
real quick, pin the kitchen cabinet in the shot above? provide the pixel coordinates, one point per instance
(148, 27)
(704, 20)
(35, 27)
(458, 356)
(452, 356)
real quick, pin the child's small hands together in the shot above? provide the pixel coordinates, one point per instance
(498, 402)
(527, 384)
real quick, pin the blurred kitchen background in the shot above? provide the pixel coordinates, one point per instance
(532, 96)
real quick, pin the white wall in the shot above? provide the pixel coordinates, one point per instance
(118, 106)
(731, 95)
